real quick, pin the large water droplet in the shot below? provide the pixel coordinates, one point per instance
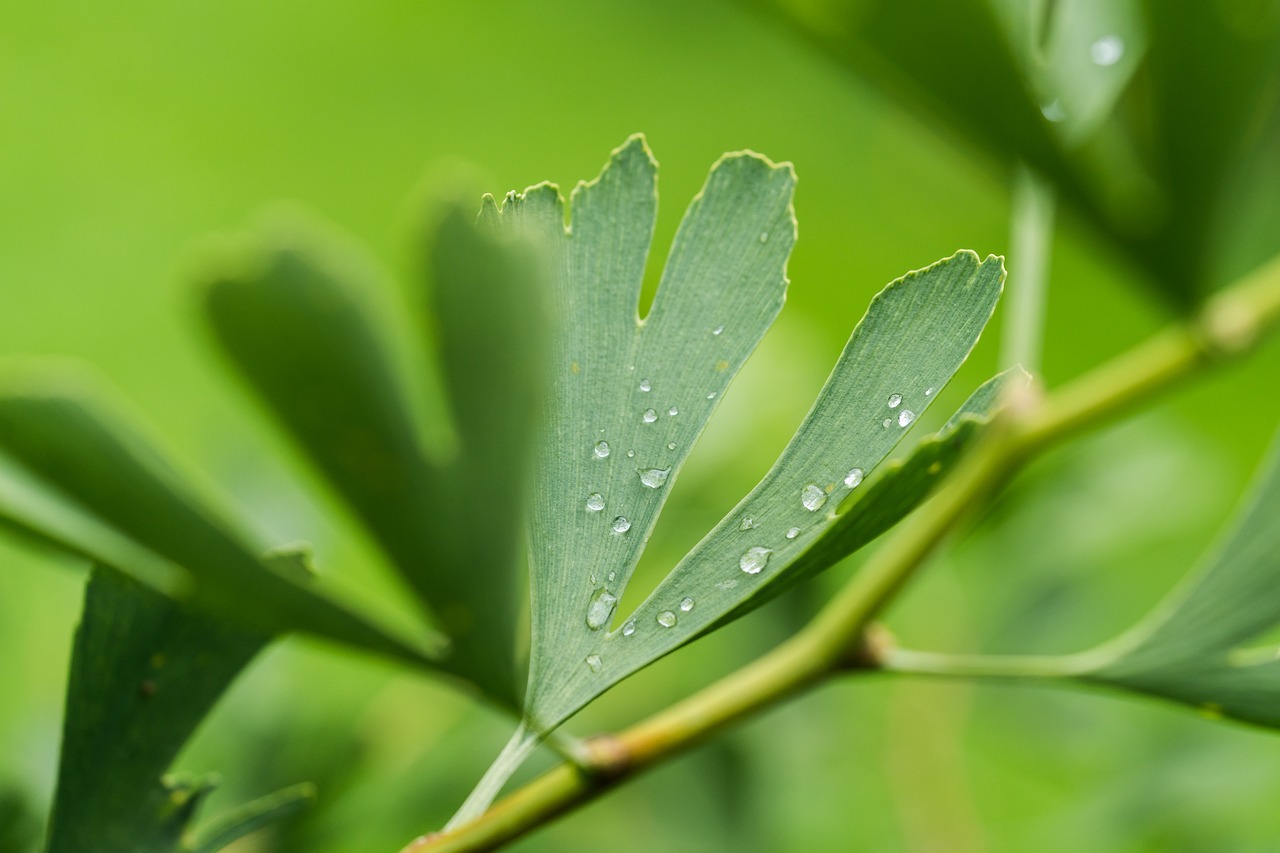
(595, 502)
(673, 411)
(621, 525)
(600, 608)
(754, 559)
(645, 385)
(793, 533)
(629, 628)
(594, 662)
(649, 416)
(894, 400)
(1107, 50)
(602, 449)
(905, 417)
(686, 604)
(654, 477)
(812, 497)
(853, 478)
(667, 619)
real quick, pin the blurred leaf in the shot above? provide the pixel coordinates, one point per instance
(252, 816)
(1193, 647)
(631, 396)
(296, 329)
(19, 826)
(145, 671)
(80, 473)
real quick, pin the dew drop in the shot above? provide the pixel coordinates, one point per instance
(1107, 50)
(645, 385)
(853, 478)
(793, 533)
(727, 584)
(711, 396)
(671, 445)
(629, 628)
(747, 524)
(654, 477)
(1053, 111)
(600, 608)
(595, 502)
(905, 417)
(764, 236)
(812, 497)
(894, 400)
(717, 330)
(649, 416)
(886, 422)
(754, 559)
(673, 411)
(613, 576)
(928, 392)
(686, 604)
(602, 449)
(631, 454)
(667, 619)
(621, 525)
(594, 662)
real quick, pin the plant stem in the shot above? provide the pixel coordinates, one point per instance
(837, 640)
(1030, 239)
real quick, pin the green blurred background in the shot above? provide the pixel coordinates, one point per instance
(133, 130)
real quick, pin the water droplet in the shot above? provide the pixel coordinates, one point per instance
(629, 628)
(673, 411)
(671, 445)
(1107, 50)
(793, 533)
(595, 502)
(886, 422)
(905, 417)
(894, 400)
(717, 330)
(812, 497)
(667, 619)
(727, 584)
(928, 392)
(711, 396)
(621, 525)
(600, 608)
(754, 559)
(594, 662)
(649, 416)
(613, 576)
(645, 385)
(686, 604)
(1053, 111)
(764, 236)
(602, 449)
(631, 454)
(747, 524)
(654, 477)
(853, 478)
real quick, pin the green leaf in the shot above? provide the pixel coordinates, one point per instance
(630, 396)
(145, 671)
(1194, 647)
(296, 328)
(82, 473)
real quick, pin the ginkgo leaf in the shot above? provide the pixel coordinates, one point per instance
(1194, 647)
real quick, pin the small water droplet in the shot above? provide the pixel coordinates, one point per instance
(631, 454)
(594, 662)
(673, 411)
(812, 497)
(613, 576)
(894, 400)
(654, 477)
(717, 330)
(649, 416)
(629, 628)
(602, 449)
(905, 417)
(747, 524)
(686, 604)
(754, 559)
(711, 396)
(1107, 50)
(667, 619)
(727, 584)
(621, 525)
(886, 422)
(595, 502)
(645, 385)
(928, 392)
(671, 445)
(600, 608)
(853, 478)
(764, 236)
(793, 533)
(1053, 111)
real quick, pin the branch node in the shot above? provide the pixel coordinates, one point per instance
(872, 649)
